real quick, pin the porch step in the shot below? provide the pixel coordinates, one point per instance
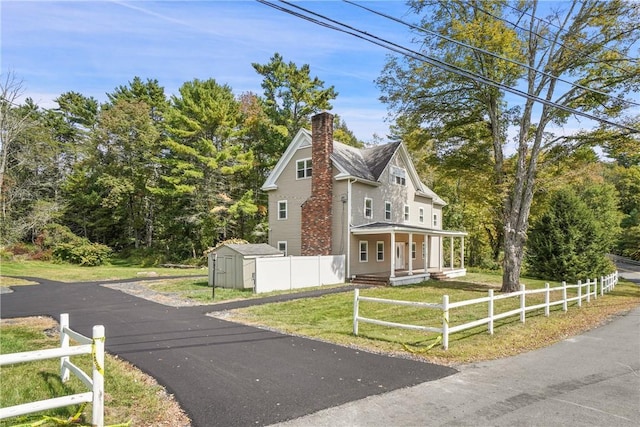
(438, 275)
(365, 279)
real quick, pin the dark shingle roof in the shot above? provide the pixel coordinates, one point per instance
(365, 163)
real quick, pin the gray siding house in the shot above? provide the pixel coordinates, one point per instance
(327, 198)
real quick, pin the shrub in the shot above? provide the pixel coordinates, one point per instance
(85, 253)
(67, 247)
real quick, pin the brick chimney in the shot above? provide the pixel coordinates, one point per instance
(316, 210)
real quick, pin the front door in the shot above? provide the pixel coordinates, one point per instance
(400, 255)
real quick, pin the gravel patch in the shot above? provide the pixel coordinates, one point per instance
(137, 289)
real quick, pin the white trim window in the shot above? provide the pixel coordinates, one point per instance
(424, 250)
(303, 169)
(398, 176)
(406, 213)
(380, 251)
(364, 251)
(435, 219)
(413, 250)
(283, 211)
(282, 247)
(387, 211)
(421, 215)
(368, 207)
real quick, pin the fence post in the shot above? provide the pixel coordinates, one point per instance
(588, 290)
(491, 311)
(445, 322)
(546, 300)
(522, 304)
(97, 411)
(356, 294)
(64, 344)
(579, 293)
(601, 285)
(595, 288)
(564, 295)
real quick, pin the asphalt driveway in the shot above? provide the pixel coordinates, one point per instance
(222, 373)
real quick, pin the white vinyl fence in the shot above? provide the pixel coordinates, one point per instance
(584, 291)
(294, 272)
(93, 346)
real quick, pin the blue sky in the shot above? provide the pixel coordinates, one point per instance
(92, 47)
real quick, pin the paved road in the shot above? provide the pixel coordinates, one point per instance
(222, 373)
(588, 380)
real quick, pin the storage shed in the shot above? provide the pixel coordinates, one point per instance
(235, 266)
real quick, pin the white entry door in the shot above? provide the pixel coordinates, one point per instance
(400, 255)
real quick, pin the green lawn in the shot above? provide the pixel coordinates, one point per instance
(330, 318)
(130, 396)
(74, 273)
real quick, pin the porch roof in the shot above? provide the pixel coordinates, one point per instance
(389, 227)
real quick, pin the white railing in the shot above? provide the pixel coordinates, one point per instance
(606, 285)
(93, 346)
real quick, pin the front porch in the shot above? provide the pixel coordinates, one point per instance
(406, 277)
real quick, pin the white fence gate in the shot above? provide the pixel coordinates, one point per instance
(93, 346)
(294, 272)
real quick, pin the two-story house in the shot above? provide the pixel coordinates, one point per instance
(328, 198)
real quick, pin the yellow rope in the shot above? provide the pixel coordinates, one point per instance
(94, 355)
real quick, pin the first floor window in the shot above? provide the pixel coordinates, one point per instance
(282, 247)
(282, 209)
(413, 250)
(424, 250)
(368, 207)
(364, 251)
(380, 251)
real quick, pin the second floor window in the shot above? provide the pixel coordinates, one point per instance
(282, 209)
(368, 207)
(387, 211)
(421, 215)
(406, 212)
(398, 176)
(303, 168)
(435, 220)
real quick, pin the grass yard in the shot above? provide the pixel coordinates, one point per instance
(329, 318)
(130, 396)
(74, 273)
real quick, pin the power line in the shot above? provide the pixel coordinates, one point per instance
(449, 39)
(537, 34)
(529, 14)
(428, 59)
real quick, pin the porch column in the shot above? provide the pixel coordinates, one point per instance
(440, 254)
(410, 254)
(451, 252)
(393, 255)
(461, 251)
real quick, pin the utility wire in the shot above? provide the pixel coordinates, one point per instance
(562, 30)
(564, 46)
(430, 60)
(477, 49)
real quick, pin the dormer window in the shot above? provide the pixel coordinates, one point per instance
(303, 169)
(398, 176)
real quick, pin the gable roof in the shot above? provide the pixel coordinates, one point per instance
(252, 249)
(363, 164)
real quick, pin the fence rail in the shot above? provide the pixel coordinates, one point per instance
(606, 284)
(93, 346)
